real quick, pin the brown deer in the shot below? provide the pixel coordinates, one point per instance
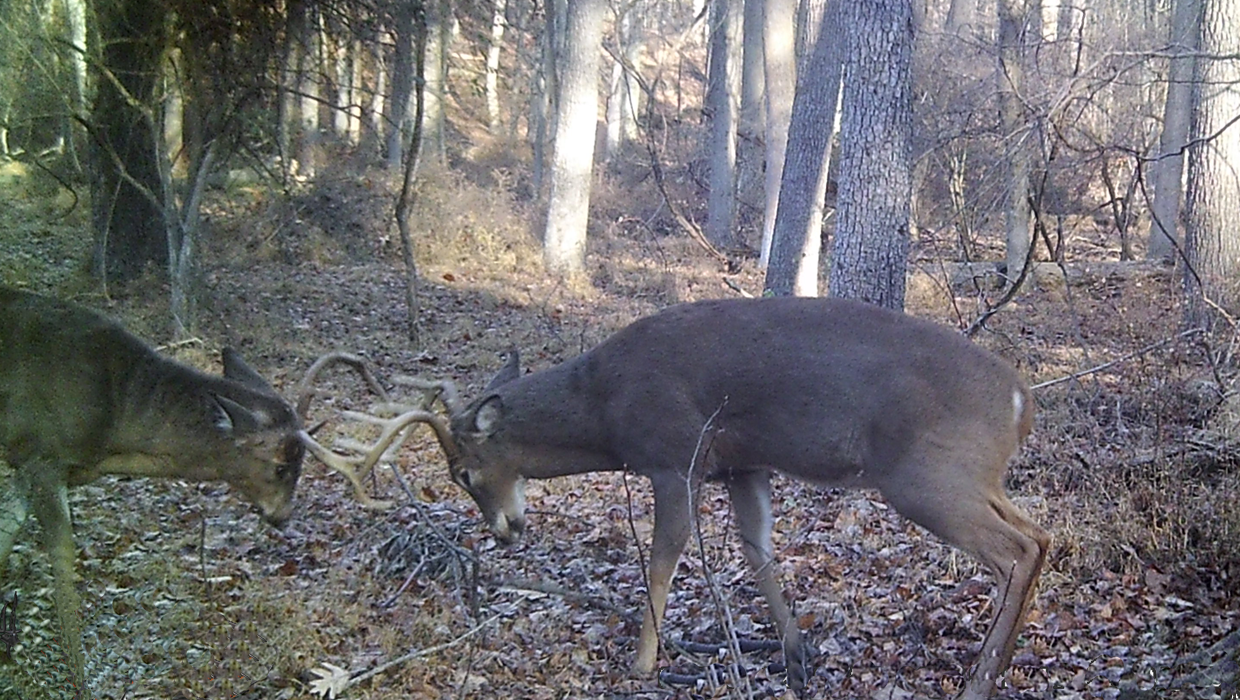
(833, 392)
(81, 397)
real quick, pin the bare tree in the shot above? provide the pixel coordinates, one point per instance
(722, 106)
(1013, 25)
(797, 237)
(126, 192)
(779, 40)
(870, 252)
(564, 240)
(1166, 173)
(495, 43)
(1212, 240)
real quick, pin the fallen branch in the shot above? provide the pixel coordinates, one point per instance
(1105, 365)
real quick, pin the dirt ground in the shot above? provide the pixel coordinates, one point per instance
(189, 595)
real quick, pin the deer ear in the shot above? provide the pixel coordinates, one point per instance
(237, 370)
(488, 415)
(230, 417)
(510, 371)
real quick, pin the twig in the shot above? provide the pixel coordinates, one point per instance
(419, 653)
(1118, 360)
(739, 681)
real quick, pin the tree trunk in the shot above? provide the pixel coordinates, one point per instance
(494, 45)
(128, 221)
(375, 130)
(290, 81)
(307, 142)
(438, 40)
(722, 107)
(564, 243)
(75, 55)
(1018, 135)
(1166, 173)
(779, 38)
(402, 83)
(753, 73)
(1212, 240)
(870, 253)
(797, 238)
(961, 16)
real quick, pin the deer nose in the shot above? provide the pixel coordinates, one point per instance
(507, 529)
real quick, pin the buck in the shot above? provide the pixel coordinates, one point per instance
(81, 397)
(832, 392)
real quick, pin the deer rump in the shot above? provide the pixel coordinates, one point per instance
(831, 392)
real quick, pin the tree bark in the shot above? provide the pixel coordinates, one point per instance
(797, 237)
(1212, 240)
(403, 82)
(1015, 125)
(870, 253)
(494, 45)
(722, 107)
(779, 39)
(564, 241)
(1166, 173)
(128, 221)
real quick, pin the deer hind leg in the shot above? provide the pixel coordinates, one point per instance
(673, 508)
(751, 501)
(49, 501)
(983, 522)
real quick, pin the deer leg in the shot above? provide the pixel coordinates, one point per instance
(12, 516)
(987, 525)
(673, 508)
(751, 501)
(49, 501)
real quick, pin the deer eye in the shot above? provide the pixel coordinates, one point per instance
(462, 478)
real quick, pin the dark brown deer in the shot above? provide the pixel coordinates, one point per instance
(81, 397)
(836, 393)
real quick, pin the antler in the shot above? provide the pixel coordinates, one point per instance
(305, 394)
(356, 467)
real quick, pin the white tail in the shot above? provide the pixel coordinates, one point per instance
(833, 392)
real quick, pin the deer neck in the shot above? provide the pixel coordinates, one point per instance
(164, 426)
(551, 421)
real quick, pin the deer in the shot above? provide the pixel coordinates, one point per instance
(833, 392)
(81, 397)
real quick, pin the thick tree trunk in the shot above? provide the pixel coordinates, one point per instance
(722, 106)
(1212, 241)
(870, 253)
(128, 222)
(1166, 173)
(568, 208)
(797, 239)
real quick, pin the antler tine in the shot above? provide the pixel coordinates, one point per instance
(357, 468)
(305, 394)
(444, 389)
(343, 465)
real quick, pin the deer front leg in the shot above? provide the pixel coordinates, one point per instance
(49, 501)
(673, 507)
(751, 501)
(12, 516)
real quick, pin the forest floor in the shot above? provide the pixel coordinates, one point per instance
(189, 595)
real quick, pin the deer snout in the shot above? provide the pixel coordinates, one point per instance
(507, 528)
(276, 514)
